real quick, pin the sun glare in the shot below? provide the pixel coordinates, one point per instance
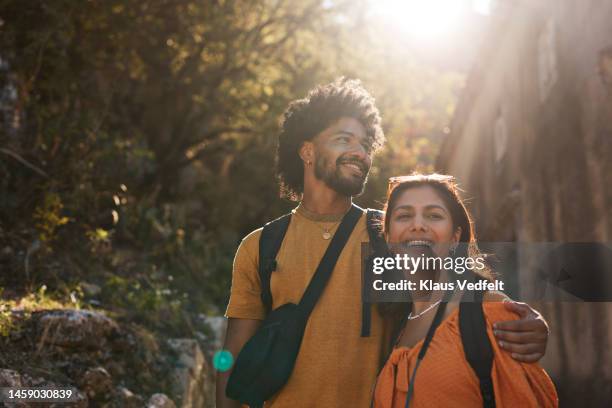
(424, 19)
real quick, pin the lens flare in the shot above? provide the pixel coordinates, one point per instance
(223, 360)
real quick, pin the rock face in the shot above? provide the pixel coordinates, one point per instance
(108, 364)
(79, 329)
(189, 373)
(530, 145)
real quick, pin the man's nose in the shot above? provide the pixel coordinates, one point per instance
(358, 151)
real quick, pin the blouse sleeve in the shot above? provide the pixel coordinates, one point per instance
(516, 383)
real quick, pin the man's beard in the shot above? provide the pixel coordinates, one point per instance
(346, 185)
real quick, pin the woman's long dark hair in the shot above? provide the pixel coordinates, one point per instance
(446, 188)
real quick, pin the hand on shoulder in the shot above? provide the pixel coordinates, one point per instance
(495, 296)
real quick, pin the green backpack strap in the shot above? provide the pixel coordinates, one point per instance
(476, 345)
(270, 242)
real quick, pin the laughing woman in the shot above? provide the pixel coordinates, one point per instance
(428, 365)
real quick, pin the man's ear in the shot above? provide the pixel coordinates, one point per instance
(307, 152)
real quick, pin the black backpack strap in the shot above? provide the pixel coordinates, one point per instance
(328, 262)
(477, 346)
(428, 338)
(270, 242)
(377, 242)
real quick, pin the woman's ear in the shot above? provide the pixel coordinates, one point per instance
(457, 235)
(307, 153)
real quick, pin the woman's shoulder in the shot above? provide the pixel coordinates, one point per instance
(492, 304)
(494, 307)
(495, 296)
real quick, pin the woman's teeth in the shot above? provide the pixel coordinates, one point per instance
(415, 243)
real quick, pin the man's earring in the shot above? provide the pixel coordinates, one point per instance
(308, 162)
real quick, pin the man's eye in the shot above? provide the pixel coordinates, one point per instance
(403, 216)
(343, 139)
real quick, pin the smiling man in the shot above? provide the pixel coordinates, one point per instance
(325, 152)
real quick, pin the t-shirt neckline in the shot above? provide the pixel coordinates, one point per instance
(311, 216)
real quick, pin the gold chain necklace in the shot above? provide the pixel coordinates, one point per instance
(328, 232)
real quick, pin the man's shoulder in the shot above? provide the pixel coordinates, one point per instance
(252, 238)
(254, 235)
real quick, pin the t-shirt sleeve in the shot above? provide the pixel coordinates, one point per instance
(516, 383)
(245, 295)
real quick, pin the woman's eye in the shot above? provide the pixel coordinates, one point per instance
(403, 216)
(435, 216)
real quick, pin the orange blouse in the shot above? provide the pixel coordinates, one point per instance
(445, 378)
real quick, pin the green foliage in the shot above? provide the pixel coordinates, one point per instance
(6, 317)
(146, 302)
(141, 139)
(35, 300)
(48, 216)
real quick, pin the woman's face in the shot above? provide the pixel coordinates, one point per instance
(420, 218)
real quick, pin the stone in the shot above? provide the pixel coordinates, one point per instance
(217, 324)
(80, 329)
(189, 374)
(127, 399)
(10, 378)
(160, 401)
(96, 383)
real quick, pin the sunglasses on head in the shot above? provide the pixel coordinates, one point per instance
(397, 180)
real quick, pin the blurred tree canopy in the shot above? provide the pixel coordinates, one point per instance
(137, 138)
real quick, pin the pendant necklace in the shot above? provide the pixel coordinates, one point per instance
(327, 232)
(334, 219)
(411, 317)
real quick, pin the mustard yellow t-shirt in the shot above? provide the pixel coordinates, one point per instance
(335, 366)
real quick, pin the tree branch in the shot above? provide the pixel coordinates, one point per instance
(23, 161)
